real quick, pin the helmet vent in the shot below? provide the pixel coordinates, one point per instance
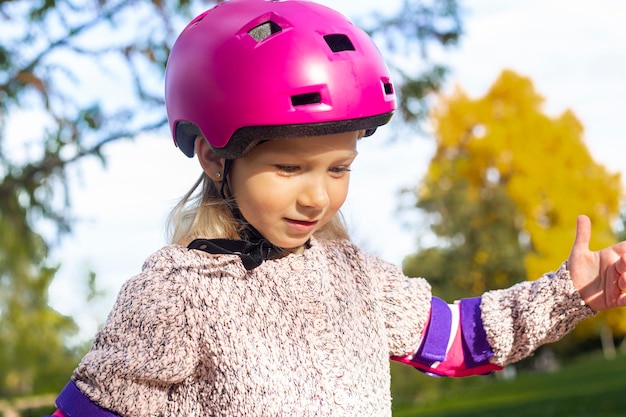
(264, 30)
(304, 99)
(388, 87)
(339, 42)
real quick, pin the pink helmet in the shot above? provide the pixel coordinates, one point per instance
(246, 71)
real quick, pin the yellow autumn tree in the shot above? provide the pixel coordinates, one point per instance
(504, 141)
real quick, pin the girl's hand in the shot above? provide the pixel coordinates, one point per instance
(599, 277)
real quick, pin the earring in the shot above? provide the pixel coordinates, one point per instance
(218, 174)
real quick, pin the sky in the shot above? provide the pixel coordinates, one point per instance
(572, 50)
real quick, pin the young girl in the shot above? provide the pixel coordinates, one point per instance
(262, 306)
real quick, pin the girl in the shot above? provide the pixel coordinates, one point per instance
(262, 306)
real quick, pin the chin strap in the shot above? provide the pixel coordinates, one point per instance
(252, 254)
(227, 164)
(252, 248)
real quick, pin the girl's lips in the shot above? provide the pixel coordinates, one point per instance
(302, 225)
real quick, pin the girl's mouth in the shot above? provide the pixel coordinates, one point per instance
(302, 225)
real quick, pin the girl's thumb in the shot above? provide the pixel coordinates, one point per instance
(583, 232)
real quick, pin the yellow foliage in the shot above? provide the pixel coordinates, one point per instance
(542, 161)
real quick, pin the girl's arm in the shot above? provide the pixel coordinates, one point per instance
(476, 336)
(148, 343)
(480, 335)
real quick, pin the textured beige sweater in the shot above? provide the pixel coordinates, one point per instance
(196, 334)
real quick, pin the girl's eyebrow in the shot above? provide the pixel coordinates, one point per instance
(287, 152)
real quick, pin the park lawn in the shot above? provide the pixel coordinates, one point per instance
(589, 387)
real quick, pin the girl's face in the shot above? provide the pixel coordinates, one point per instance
(288, 189)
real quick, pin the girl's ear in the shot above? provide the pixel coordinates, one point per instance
(211, 164)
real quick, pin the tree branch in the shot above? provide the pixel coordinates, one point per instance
(52, 162)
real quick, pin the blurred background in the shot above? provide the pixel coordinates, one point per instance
(509, 126)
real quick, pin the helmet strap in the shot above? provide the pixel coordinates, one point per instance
(227, 164)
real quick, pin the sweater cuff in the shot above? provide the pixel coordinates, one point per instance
(519, 319)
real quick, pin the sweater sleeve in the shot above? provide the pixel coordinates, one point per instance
(145, 345)
(405, 304)
(519, 319)
(427, 333)
(475, 336)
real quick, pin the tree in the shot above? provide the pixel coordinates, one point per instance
(46, 50)
(59, 60)
(508, 180)
(409, 35)
(480, 234)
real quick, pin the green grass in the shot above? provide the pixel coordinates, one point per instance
(590, 387)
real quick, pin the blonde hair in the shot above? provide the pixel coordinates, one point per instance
(203, 213)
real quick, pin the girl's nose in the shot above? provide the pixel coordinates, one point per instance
(314, 194)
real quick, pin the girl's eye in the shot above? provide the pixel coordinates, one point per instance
(294, 169)
(288, 169)
(340, 169)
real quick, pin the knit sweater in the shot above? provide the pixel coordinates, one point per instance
(196, 334)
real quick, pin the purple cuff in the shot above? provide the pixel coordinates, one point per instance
(476, 348)
(74, 403)
(433, 349)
